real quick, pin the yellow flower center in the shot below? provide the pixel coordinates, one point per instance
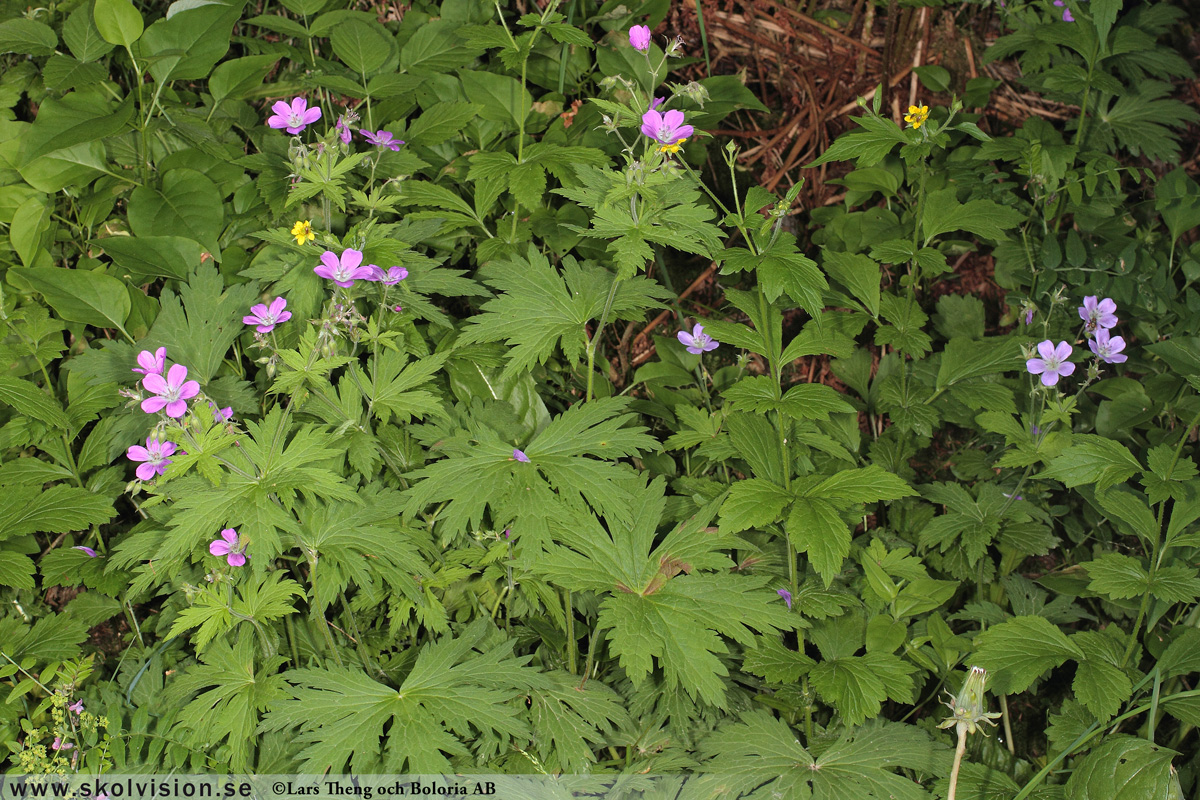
(672, 148)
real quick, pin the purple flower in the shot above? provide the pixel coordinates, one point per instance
(1053, 363)
(1035, 430)
(1067, 15)
(391, 277)
(151, 363)
(90, 552)
(295, 117)
(155, 457)
(656, 102)
(382, 139)
(508, 533)
(1108, 347)
(228, 548)
(343, 130)
(787, 597)
(77, 706)
(697, 341)
(59, 744)
(1017, 497)
(639, 37)
(266, 318)
(221, 414)
(345, 271)
(519, 456)
(173, 392)
(1101, 314)
(666, 129)
(1029, 316)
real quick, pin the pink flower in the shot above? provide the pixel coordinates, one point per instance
(173, 392)
(656, 102)
(220, 414)
(382, 139)
(1097, 313)
(77, 706)
(343, 130)
(1108, 347)
(1053, 363)
(344, 271)
(59, 744)
(787, 597)
(228, 548)
(294, 117)
(89, 551)
(697, 341)
(668, 128)
(520, 456)
(151, 363)
(155, 458)
(266, 318)
(393, 275)
(639, 37)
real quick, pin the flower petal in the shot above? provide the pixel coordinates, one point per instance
(230, 535)
(137, 453)
(176, 375)
(1046, 349)
(155, 383)
(219, 548)
(152, 405)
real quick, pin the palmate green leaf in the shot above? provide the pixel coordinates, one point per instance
(59, 509)
(868, 146)
(16, 570)
(752, 503)
(858, 273)
(670, 604)
(1122, 768)
(1019, 651)
(458, 689)
(198, 325)
(304, 464)
(1141, 120)
(1117, 576)
(571, 722)
(485, 474)
(1100, 682)
(1182, 654)
(398, 387)
(32, 401)
(539, 310)
(984, 218)
(761, 756)
(51, 638)
(1093, 459)
(235, 693)
(964, 359)
(857, 685)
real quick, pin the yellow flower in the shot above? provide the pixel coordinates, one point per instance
(672, 148)
(303, 231)
(917, 115)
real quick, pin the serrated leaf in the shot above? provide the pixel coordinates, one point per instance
(943, 214)
(1122, 768)
(1019, 651)
(1093, 459)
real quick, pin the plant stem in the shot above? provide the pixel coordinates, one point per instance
(595, 340)
(958, 757)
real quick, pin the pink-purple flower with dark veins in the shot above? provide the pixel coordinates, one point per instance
(1108, 347)
(155, 458)
(1097, 313)
(230, 546)
(390, 277)
(151, 363)
(171, 392)
(343, 271)
(267, 317)
(295, 116)
(520, 456)
(666, 128)
(382, 139)
(697, 341)
(1053, 363)
(639, 37)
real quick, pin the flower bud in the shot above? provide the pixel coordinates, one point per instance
(967, 707)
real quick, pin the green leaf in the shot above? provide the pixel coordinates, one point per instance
(51, 638)
(1130, 513)
(857, 686)
(752, 503)
(1118, 576)
(118, 21)
(570, 722)
(189, 204)
(964, 359)
(1122, 768)
(144, 258)
(92, 298)
(27, 36)
(16, 570)
(499, 97)
(1093, 459)
(185, 45)
(73, 119)
(815, 527)
(361, 46)
(59, 509)
(457, 685)
(238, 77)
(1182, 655)
(1100, 682)
(1019, 651)
(1175, 584)
(32, 401)
(985, 218)
(868, 146)
(859, 274)
(81, 35)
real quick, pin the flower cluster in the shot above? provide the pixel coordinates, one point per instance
(1099, 318)
(347, 268)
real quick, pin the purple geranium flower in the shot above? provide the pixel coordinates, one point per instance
(697, 341)
(221, 414)
(294, 117)
(59, 744)
(77, 707)
(382, 139)
(1053, 363)
(155, 456)
(639, 37)
(90, 552)
(344, 271)
(787, 597)
(391, 277)
(151, 363)
(1108, 347)
(520, 456)
(1029, 316)
(172, 392)
(267, 317)
(230, 548)
(666, 128)
(656, 102)
(1098, 314)
(343, 130)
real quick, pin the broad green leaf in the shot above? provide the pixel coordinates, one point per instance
(27, 36)
(30, 223)
(144, 258)
(752, 503)
(1093, 459)
(866, 485)
(118, 21)
(188, 204)
(73, 119)
(1019, 651)
(1118, 576)
(185, 45)
(16, 570)
(857, 686)
(32, 401)
(816, 528)
(1101, 684)
(859, 274)
(964, 359)
(51, 638)
(1182, 654)
(59, 509)
(238, 77)
(499, 97)
(92, 298)
(361, 46)
(81, 35)
(985, 218)
(868, 146)
(1122, 767)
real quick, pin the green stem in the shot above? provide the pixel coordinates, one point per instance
(958, 757)
(595, 340)
(569, 609)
